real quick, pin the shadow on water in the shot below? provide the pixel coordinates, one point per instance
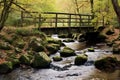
(66, 70)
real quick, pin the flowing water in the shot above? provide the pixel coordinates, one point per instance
(66, 70)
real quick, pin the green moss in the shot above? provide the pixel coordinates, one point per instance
(66, 52)
(41, 60)
(106, 64)
(57, 58)
(91, 50)
(6, 67)
(24, 59)
(80, 59)
(5, 46)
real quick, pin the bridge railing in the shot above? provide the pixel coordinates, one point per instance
(56, 20)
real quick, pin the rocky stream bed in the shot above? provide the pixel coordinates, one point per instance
(66, 70)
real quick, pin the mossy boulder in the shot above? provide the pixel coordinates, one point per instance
(24, 59)
(36, 46)
(5, 46)
(67, 52)
(51, 40)
(57, 58)
(52, 48)
(116, 50)
(106, 64)
(91, 50)
(15, 62)
(68, 40)
(80, 59)
(41, 60)
(6, 67)
(110, 44)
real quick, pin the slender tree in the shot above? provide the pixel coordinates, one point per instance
(5, 11)
(116, 8)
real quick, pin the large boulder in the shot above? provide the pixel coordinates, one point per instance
(24, 59)
(5, 67)
(106, 64)
(52, 48)
(41, 60)
(80, 59)
(51, 40)
(67, 52)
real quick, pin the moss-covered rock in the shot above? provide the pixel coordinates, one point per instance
(15, 62)
(6, 67)
(24, 59)
(53, 48)
(51, 40)
(91, 50)
(66, 52)
(116, 50)
(80, 59)
(41, 60)
(68, 40)
(36, 45)
(57, 58)
(110, 44)
(106, 64)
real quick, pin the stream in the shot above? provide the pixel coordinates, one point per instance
(66, 70)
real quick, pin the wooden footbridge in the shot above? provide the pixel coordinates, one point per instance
(54, 22)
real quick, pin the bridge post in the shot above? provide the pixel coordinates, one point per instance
(56, 21)
(39, 22)
(69, 23)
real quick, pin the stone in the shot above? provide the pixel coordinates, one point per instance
(116, 50)
(41, 60)
(57, 58)
(36, 46)
(68, 40)
(52, 48)
(91, 50)
(80, 59)
(67, 52)
(106, 64)
(24, 59)
(5, 67)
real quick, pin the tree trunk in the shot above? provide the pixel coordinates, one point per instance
(5, 12)
(116, 8)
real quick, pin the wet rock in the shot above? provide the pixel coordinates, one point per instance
(35, 45)
(5, 67)
(51, 40)
(68, 40)
(91, 50)
(57, 58)
(24, 59)
(106, 64)
(67, 52)
(116, 50)
(62, 36)
(53, 48)
(41, 60)
(80, 59)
